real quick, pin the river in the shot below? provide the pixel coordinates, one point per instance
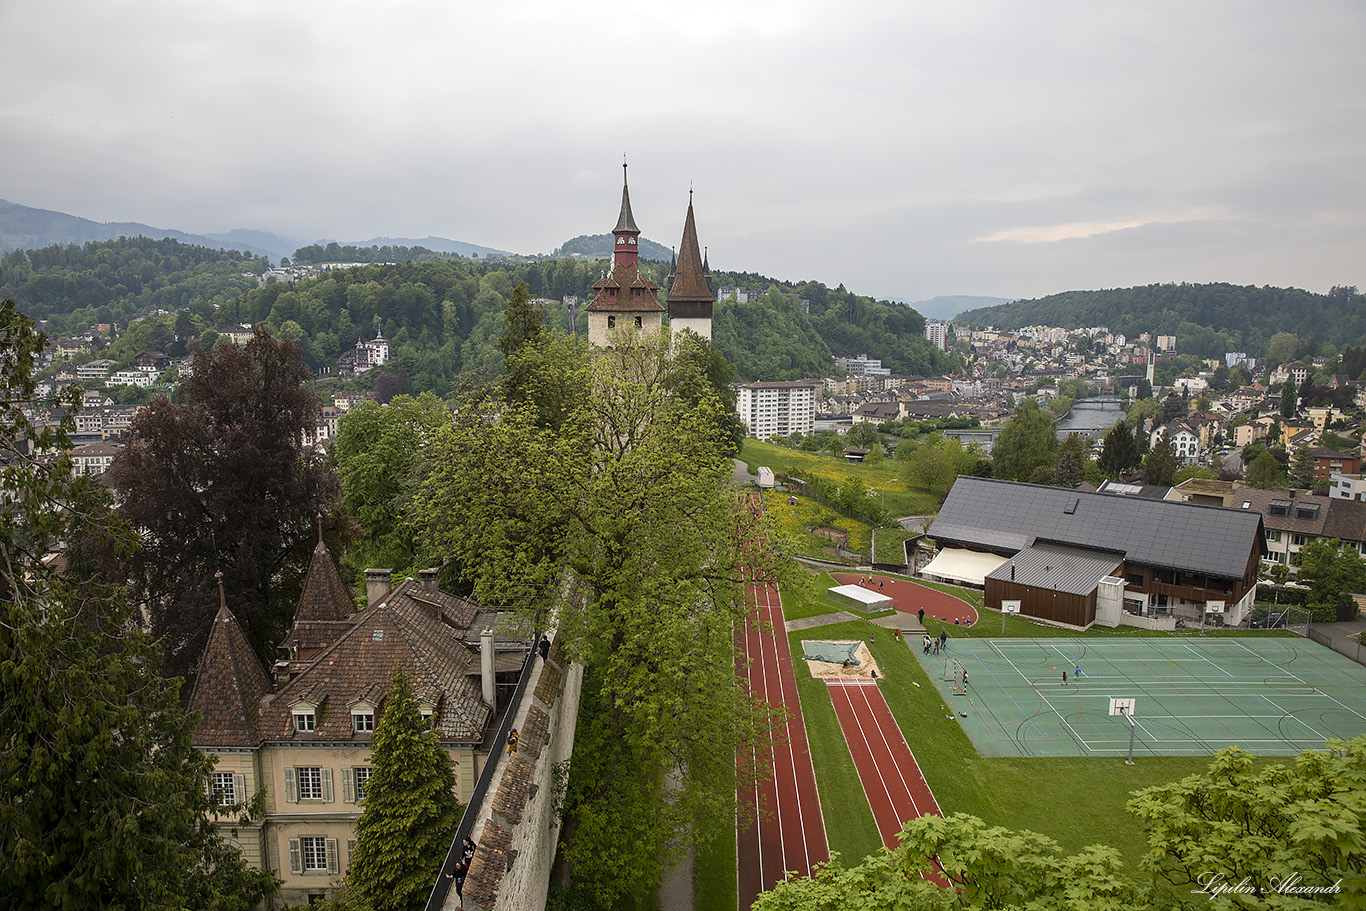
(1090, 417)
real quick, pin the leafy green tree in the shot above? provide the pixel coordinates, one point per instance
(1119, 452)
(937, 463)
(379, 462)
(1333, 571)
(1173, 407)
(626, 505)
(1074, 454)
(1026, 444)
(1282, 347)
(1274, 825)
(1161, 464)
(1265, 473)
(102, 797)
(410, 812)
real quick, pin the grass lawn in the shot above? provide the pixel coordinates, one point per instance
(1018, 793)
(887, 544)
(884, 477)
(714, 874)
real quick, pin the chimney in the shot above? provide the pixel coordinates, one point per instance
(486, 665)
(377, 585)
(428, 577)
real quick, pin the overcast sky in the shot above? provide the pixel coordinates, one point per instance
(907, 149)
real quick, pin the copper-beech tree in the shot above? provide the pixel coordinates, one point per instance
(219, 479)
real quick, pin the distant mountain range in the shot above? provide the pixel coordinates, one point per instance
(950, 305)
(26, 228)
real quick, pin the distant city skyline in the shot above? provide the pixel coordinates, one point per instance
(1007, 149)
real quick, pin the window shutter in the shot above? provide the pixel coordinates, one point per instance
(296, 857)
(239, 789)
(348, 785)
(208, 788)
(327, 786)
(350, 851)
(291, 786)
(332, 866)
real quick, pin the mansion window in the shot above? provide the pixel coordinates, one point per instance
(308, 783)
(313, 854)
(304, 721)
(363, 722)
(223, 789)
(362, 779)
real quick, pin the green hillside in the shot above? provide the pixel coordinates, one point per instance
(1207, 320)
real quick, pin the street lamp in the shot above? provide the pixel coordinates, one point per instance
(884, 493)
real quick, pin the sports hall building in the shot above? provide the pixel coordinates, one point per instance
(1078, 558)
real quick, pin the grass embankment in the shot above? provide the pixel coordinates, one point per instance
(1075, 801)
(882, 478)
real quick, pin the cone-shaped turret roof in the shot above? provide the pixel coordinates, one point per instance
(325, 605)
(228, 689)
(626, 222)
(690, 285)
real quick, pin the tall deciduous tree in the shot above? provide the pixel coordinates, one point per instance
(103, 801)
(1333, 572)
(221, 481)
(379, 461)
(1024, 450)
(628, 499)
(410, 813)
(1265, 472)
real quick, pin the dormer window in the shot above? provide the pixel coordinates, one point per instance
(362, 722)
(305, 715)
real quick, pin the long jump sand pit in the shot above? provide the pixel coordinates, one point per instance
(866, 668)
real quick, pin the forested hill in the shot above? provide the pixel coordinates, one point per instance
(442, 318)
(1207, 320)
(599, 246)
(773, 337)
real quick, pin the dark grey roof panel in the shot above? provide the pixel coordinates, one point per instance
(993, 514)
(1057, 567)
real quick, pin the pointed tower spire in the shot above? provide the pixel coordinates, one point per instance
(325, 605)
(624, 299)
(229, 686)
(626, 222)
(690, 299)
(222, 598)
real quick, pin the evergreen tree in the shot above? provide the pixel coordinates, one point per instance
(1119, 452)
(103, 801)
(1069, 470)
(1173, 407)
(1288, 399)
(410, 813)
(1161, 464)
(1302, 468)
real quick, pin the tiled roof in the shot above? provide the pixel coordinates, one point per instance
(487, 867)
(229, 687)
(1261, 501)
(325, 606)
(690, 283)
(514, 788)
(624, 277)
(534, 731)
(1346, 520)
(411, 629)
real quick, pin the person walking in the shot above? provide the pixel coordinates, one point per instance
(943, 638)
(1078, 673)
(512, 740)
(921, 616)
(1064, 678)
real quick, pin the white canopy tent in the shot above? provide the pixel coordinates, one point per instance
(958, 565)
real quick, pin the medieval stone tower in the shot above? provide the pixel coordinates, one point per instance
(624, 301)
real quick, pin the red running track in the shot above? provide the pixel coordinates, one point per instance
(780, 826)
(909, 597)
(891, 778)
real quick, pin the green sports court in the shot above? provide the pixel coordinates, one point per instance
(1270, 696)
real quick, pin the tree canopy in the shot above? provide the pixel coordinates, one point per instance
(625, 505)
(221, 481)
(1025, 449)
(103, 800)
